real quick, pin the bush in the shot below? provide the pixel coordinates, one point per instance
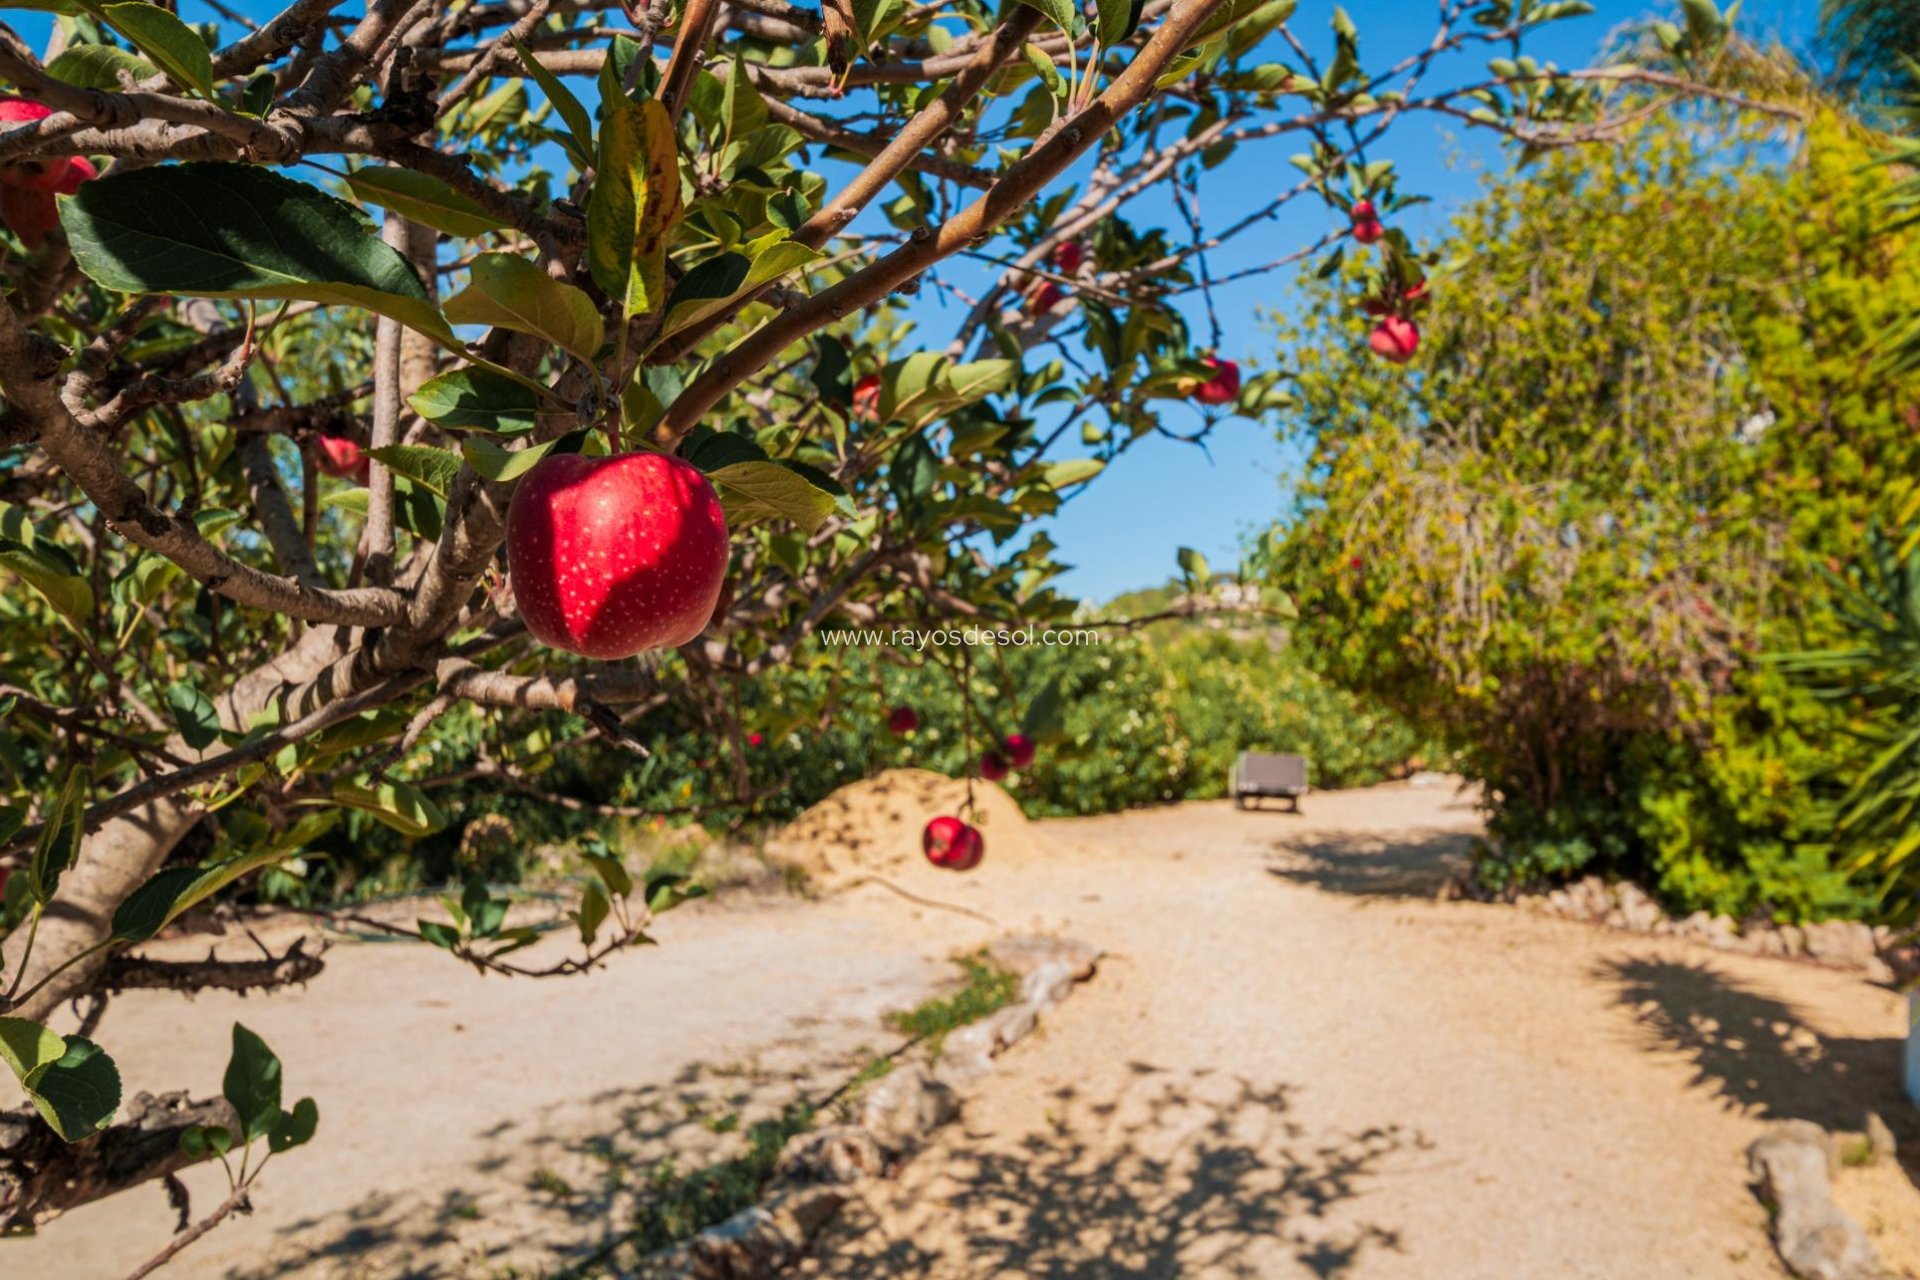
(1565, 546)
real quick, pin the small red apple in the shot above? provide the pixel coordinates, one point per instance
(949, 842)
(1019, 749)
(1367, 227)
(28, 187)
(756, 740)
(993, 766)
(1068, 257)
(614, 556)
(1223, 387)
(341, 457)
(1044, 298)
(903, 720)
(1395, 338)
(866, 398)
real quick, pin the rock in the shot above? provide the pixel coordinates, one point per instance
(1791, 1165)
(1637, 911)
(1843, 943)
(1697, 927)
(1880, 1138)
(905, 1105)
(1025, 953)
(1048, 985)
(1721, 933)
(753, 1244)
(1560, 902)
(841, 1153)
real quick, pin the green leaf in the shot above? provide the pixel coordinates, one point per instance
(61, 832)
(11, 820)
(433, 468)
(215, 230)
(174, 890)
(1058, 12)
(1194, 565)
(709, 287)
(193, 715)
(1044, 68)
(294, 1128)
(393, 804)
(98, 66)
(476, 398)
(611, 873)
(1072, 471)
(634, 205)
(252, 1083)
(440, 935)
(169, 43)
(28, 1047)
(498, 464)
(423, 198)
(780, 489)
(914, 470)
(579, 123)
(48, 571)
(1118, 20)
(514, 293)
(79, 1093)
(594, 907)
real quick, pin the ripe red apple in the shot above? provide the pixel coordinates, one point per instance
(756, 739)
(866, 398)
(1223, 387)
(993, 766)
(341, 457)
(1044, 298)
(1068, 257)
(1395, 338)
(28, 187)
(1367, 227)
(903, 720)
(949, 842)
(614, 556)
(1019, 749)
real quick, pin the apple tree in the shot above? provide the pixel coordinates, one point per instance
(299, 312)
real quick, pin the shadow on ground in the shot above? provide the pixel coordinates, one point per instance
(1759, 1054)
(1181, 1175)
(541, 1205)
(1372, 864)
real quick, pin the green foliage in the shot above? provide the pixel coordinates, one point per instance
(988, 989)
(1562, 546)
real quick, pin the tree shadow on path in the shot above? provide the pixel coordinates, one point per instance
(1759, 1054)
(1373, 864)
(1177, 1175)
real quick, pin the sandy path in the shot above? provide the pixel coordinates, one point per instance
(1291, 1068)
(442, 1092)
(1292, 1064)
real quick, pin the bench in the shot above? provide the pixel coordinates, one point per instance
(1258, 775)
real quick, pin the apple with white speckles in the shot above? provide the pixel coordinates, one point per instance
(614, 556)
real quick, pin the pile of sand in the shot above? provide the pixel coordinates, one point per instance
(874, 826)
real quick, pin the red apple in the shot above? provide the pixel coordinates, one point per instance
(993, 766)
(1223, 387)
(1367, 227)
(28, 187)
(614, 556)
(339, 456)
(1068, 257)
(1395, 338)
(1019, 749)
(756, 740)
(866, 398)
(1045, 297)
(903, 720)
(949, 842)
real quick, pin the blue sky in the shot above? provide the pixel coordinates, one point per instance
(1123, 531)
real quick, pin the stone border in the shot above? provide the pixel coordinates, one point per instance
(1875, 951)
(821, 1169)
(1792, 1165)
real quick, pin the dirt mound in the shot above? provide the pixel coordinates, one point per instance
(874, 826)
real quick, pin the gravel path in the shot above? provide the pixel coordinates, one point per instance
(1293, 1063)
